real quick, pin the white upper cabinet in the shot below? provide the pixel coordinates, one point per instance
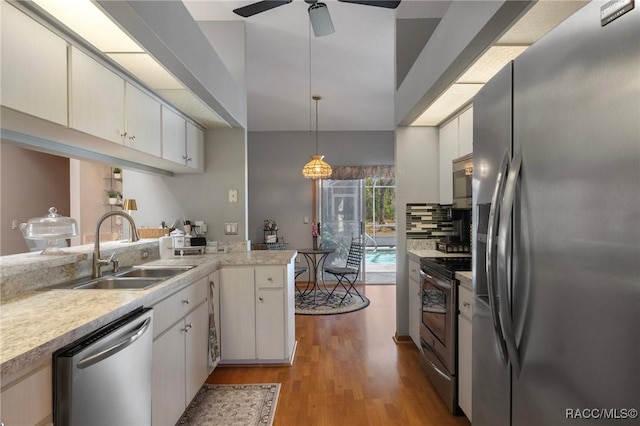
(448, 152)
(195, 147)
(465, 126)
(174, 135)
(34, 67)
(142, 121)
(97, 99)
(456, 140)
(182, 141)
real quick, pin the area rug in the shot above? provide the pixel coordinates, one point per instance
(322, 305)
(233, 405)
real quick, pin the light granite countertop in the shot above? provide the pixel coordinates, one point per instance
(36, 323)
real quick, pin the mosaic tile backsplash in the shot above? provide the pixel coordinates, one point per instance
(428, 221)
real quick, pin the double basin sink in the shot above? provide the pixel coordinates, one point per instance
(135, 278)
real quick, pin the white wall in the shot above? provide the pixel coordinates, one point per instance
(417, 181)
(197, 196)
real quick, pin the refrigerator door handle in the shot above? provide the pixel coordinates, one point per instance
(504, 259)
(490, 255)
(112, 350)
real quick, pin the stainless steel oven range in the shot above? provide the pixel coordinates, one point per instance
(438, 325)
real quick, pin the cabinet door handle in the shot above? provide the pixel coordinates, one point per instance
(466, 304)
(270, 279)
(132, 138)
(187, 328)
(261, 299)
(124, 135)
(212, 283)
(186, 301)
(188, 158)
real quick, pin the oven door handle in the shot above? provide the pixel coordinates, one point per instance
(435, 367)
(440, 284)
(504, 260)
(492, 226)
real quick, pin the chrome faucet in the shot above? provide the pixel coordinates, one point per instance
(97, 262)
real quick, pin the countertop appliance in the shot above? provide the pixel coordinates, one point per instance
(462, 178)
(557, 296)
(438, 325)
(453, 246)
(105, 377)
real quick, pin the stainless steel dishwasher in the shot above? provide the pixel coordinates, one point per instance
(105, 377)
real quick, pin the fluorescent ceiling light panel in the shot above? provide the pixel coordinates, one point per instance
(191, 105)
(490, 63)
(146, 68)
(470, 83)
(89, 22)
(452, 99)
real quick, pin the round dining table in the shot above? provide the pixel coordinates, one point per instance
(315, 261)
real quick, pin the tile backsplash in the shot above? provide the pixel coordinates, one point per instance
(428, 221)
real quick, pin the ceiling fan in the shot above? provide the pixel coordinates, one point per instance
(318, 11)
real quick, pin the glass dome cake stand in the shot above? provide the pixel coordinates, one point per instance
(50, 228)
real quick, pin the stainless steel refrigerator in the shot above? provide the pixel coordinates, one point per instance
(556, 322)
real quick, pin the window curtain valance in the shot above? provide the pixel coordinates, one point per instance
(363, 172)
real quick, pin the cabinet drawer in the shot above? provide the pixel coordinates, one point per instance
(176, 306)
(269, 277)
(414, 270)
(465, 298)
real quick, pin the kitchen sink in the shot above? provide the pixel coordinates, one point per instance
(117, 283)
(154, 271)
(135, 278)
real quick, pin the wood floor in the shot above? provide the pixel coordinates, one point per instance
(349, 371)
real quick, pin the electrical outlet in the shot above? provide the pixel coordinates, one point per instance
(233, 195)
(145, 254)
(305, 220)
(14, 224)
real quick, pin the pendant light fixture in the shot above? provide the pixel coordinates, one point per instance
(317, 168)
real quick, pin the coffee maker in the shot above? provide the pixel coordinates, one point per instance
(460, 240)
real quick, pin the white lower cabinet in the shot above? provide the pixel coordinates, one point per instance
(257, 314)
(465, 297)
(180, 351)
(415, 302)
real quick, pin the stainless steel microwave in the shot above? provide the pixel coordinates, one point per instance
(462, 177)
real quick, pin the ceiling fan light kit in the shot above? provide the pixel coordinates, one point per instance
(318, 11)
(320, 19)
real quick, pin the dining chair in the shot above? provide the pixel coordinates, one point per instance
(350, 272)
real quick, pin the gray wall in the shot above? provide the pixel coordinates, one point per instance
(202, 196)
(277, 189)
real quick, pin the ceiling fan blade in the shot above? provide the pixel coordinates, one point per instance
(378, 3)
(258, 7)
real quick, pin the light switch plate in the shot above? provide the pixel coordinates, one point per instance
(231, 228)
